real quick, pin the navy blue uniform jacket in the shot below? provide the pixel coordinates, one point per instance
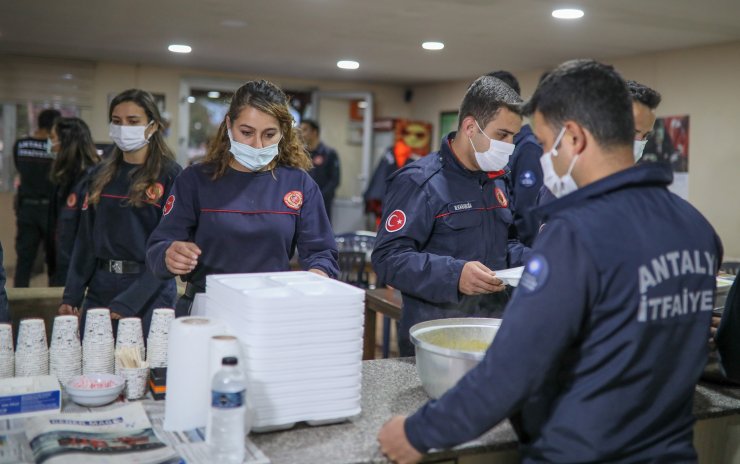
(526, 180)
(245, 222)
(605, 337)
(4, 311)
(438, 215)
(115, 230)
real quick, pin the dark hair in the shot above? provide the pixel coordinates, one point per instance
(158, 152)
(268, 98)
(314, 125)
(590, 93)
(644, 94)
(485, 97)
(76, 151)
(508, 78)
(47, 117)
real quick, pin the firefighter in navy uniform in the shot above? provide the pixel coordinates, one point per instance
(123, 203)
(4, 310)
(33, 159)
(447, 221)
(326, 170)
(249, 205)
(606, 335)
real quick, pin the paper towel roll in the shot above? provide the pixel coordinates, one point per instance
(188, 383)
(222, 346)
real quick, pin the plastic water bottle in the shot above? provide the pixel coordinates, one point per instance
(228, 406)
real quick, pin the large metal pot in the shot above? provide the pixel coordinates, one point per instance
(446, 349)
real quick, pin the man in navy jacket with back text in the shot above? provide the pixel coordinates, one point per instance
(606, 335)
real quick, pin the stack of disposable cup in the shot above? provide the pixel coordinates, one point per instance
(158, 337)
(301, 336)
(97, 346)
(32, 352)
(130, 334)
(65, 353)
(7, 355)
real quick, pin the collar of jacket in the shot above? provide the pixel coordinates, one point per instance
(450, 160)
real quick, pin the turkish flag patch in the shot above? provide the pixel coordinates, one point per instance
(72, 200)
(396, 220)
(169, 205)
(501, 198)
(293, 200)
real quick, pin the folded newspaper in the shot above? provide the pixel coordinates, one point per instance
(121, 435)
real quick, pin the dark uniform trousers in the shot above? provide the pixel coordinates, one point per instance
(32, 221)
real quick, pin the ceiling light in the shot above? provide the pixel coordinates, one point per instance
(214, 94)
(567, 13)
(348, 64)
(433, 45)
(191, 99)
(174, 48)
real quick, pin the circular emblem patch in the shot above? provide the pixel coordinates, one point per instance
(169, 205)
(527, 179)
(155, 191)
(501, 198)
(84, 203)
(318, 160)
(72, 200)
(535, 273)
(293, 200)
(396, 220)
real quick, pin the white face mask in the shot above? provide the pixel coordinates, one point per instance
(252, 158)
(559, 186)
(497, 155)
(637, 148)
(129, 138)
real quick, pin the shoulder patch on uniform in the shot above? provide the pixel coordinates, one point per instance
(536, 273)
(85, 202)
(396, 220)
(169, 204)
(318, 160)
(527, 179)
(293, 200)
(155, 191)
(501, 197)
(71, 200)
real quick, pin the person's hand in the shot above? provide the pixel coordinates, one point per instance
(477, 279)
(68, 310)
(713, 332)
(181, 257)
(115, 316)
(395, 445)
(319, 272)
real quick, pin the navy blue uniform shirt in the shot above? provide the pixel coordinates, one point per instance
(526, 180)
(116, 230)
(604, 339)
(325, 170)
(33, 163)
(4, 311)
(438, 215)
(245, 222)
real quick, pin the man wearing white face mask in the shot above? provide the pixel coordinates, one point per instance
(599, 351)
(644, 103)
(446, 217)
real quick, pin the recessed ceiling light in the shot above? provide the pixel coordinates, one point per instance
(174, 48)
(191, 99)
(433, 45)
(348, 64)
(214, 94)
(567, 13)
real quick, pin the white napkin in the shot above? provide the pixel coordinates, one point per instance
(510, 276)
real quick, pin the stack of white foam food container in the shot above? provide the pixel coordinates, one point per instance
(32, 352)
(97, 346)
(302, 339)
(65, 352)
(7, 355)
(158, 338)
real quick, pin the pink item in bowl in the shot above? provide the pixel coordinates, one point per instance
(94, 389)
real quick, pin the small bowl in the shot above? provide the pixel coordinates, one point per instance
(88, 389)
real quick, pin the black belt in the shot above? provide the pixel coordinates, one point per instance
(35, 201)
(120, 267)
(191, 290)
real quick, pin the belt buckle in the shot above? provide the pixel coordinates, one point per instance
(116, 267)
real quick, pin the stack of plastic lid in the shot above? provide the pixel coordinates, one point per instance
(302, 339)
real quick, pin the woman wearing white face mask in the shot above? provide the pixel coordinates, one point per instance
(249, 205)
(123, 203)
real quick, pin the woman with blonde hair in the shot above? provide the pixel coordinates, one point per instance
(122, 205)
(249, 205)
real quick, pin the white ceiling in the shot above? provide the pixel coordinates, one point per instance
(305, 38)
